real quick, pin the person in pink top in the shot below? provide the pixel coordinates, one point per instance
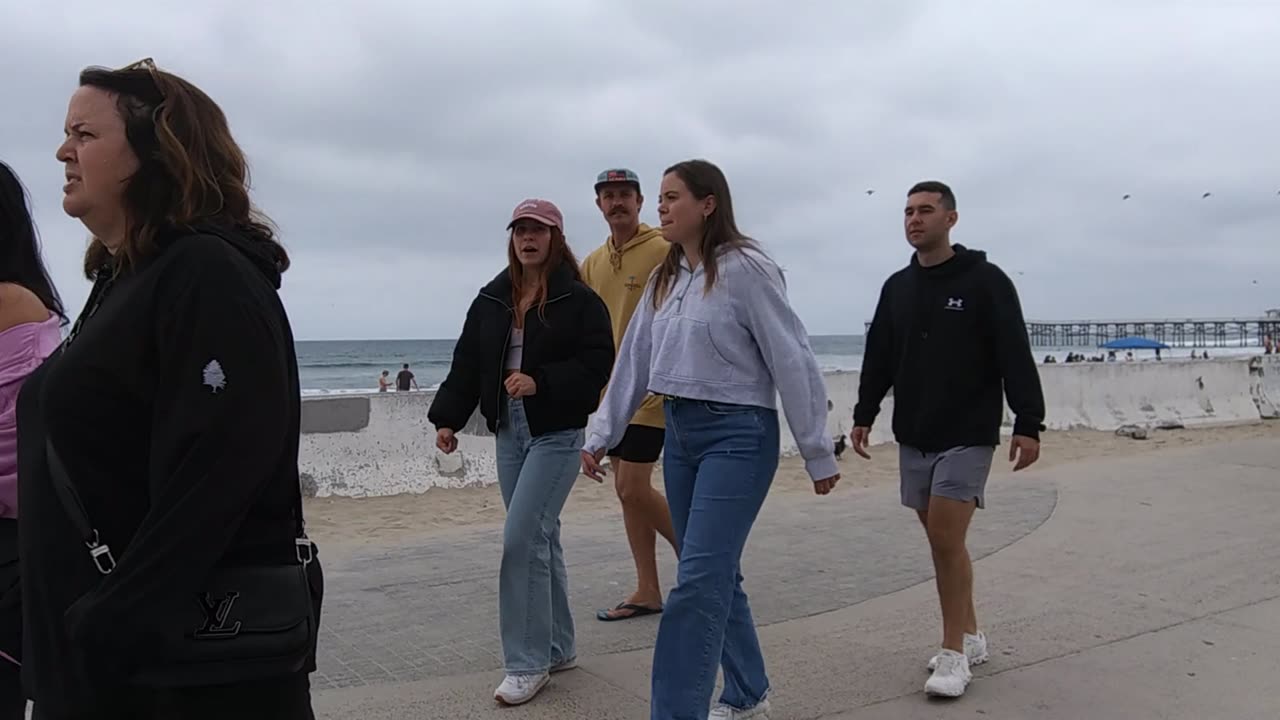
(30, 318)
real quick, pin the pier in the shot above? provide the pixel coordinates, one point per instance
(1190, 333)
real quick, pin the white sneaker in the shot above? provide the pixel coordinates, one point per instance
(725, 712)
(569, 664)
(519, 689)
(975, 649)
(951, 677)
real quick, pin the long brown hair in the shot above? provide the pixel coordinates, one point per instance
(190, 169)
(559, 254)
(720, 230)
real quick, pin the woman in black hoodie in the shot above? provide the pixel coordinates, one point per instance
(165, 570)
(535, 352)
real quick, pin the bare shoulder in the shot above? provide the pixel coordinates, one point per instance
(19, 305)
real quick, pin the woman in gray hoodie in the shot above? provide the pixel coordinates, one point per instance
(716, 335)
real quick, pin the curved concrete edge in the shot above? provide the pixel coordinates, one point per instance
(1135, 548)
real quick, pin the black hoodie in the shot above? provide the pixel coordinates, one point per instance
(951, 342)
(569, 355)
(176, 410)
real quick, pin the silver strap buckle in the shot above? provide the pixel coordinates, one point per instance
(304, 550)
(101, 555)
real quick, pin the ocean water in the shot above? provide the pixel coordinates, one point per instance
(353, 366)
(345, 366)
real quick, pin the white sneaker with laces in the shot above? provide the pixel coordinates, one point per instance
(975, 648)
(725, 712)
(950, 677)
(520, 689)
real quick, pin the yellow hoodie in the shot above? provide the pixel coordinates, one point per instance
(619, 278)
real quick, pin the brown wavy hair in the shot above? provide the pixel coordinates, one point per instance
(190, 169)
(704, 179)
(559, 254)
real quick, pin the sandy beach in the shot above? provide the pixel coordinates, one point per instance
(342, 525)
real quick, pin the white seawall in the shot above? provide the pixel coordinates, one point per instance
(381, 443)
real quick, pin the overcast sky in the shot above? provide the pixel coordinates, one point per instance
(390, 140)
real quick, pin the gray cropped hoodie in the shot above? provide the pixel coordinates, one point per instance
(739, 343)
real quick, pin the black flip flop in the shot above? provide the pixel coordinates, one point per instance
(636, 611)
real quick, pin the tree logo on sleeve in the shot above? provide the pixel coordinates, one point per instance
(214, 377)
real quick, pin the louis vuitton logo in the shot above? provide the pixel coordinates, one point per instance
(215, 618)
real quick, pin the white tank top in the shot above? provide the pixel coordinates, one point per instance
(515, 349)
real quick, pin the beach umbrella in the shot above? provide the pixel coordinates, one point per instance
(1134, 343)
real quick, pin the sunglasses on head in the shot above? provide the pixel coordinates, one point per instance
(150, 66)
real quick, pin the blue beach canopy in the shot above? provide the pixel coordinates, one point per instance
(1134, 343)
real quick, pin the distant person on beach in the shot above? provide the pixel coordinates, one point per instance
(405, 379)
(384, 381)
(535, 352)
(618, 272)
(158, 446)
(30, 317)
(947, 414)
(715, 334)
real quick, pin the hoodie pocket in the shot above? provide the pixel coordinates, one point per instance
(688, 351)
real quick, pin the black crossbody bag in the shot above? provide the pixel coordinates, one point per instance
(250, 622)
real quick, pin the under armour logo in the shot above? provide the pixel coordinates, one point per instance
(955, 303)
(215, 618)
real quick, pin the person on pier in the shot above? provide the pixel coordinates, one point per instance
(948, 408)
(535, 353)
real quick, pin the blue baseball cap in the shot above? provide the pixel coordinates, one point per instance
(618, 175)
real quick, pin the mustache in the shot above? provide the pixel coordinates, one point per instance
(619, 210)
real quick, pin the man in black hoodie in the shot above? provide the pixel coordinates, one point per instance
(948, 336)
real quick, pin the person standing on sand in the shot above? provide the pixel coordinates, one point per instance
(618, 272)
(384, 381)
(535, 352)
(405, 379)
(30, 316)
(715, 334)
(948, 406)
(158, 445)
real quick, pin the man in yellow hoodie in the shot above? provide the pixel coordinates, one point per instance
(618, 272)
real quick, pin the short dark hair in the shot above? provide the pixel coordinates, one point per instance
(934, 186)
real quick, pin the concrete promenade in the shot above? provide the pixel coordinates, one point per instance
(1144, 587)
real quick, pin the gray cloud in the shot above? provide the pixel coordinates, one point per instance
(391, 140)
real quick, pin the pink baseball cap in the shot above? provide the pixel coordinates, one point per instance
(544, 211)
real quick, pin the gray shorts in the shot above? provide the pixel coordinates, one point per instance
(957, 474)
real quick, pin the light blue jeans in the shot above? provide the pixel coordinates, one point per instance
(718, 463)
(535, 476)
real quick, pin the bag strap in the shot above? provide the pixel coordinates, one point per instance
(100, 552)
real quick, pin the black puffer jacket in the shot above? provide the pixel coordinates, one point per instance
(569, 355)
